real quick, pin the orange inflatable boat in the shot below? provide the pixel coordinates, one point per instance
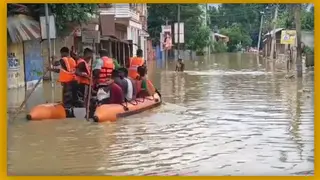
(107, 112)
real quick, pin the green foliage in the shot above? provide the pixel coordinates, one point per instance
(199, 39)
(286, 18)
(67, 15)
(248, 17)
(220, 47)
(190, 15)
(72, 13)
(237, 36)
(308, 50)
(307, 19)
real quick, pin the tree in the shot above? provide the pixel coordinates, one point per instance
(248, 16)
(245, 15)
(72, 13)
(237, 35)
(190, 15)
(67, 15)
(199, 39)
(286, 18)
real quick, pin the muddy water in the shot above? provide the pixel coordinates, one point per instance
(224, 114)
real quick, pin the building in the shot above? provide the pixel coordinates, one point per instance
(25, 62)
(307, 38)
(130, 23)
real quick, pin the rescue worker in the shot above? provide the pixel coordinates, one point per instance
(83, 72)
(135, 62)
(144, 86)
(67, 79)
(105, 65)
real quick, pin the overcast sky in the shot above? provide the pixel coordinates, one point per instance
(215, 5)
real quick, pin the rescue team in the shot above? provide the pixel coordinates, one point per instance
(111, 83)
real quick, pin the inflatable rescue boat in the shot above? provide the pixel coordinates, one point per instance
(106, 112)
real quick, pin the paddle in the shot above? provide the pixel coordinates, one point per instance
(28, 96)
(90, 84)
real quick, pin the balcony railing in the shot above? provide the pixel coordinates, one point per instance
(121, 11)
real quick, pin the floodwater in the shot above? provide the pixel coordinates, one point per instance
(222, 115)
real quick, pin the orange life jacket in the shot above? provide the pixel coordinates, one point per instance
(135, 62)
(67, 75)
(83, 80)
(106, 70)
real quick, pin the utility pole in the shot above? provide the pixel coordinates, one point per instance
(273, 42)
(259, 40)
(46, 9)
(207, 20)
(178, 31)
(166, 51)
(297, 12)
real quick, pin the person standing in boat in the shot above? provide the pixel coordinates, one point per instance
(83, 72)
(67, 78)
(135, 62)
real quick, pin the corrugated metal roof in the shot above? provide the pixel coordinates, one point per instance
(271, 32)
(23, 28)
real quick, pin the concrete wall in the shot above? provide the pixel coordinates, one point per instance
(59, 43)
(307, 37)
(15, 75)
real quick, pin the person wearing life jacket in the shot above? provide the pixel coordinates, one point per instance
(103, 67)
(83, 73)
(67, 78)
(144, 86)
(135, 62)
(131, 88)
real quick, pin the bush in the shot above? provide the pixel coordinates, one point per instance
(219, 47)
(307, 50)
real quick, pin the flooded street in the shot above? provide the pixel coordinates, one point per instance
(221, 116)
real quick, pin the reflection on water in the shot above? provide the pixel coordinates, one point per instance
(220, 116)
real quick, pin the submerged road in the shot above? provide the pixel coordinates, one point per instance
(225, 115)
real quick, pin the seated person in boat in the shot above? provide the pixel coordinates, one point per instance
(120, 81)
(109, 92)
(144, 86)
(83, 72)
(131, 88)
(180, 66)
(66, 68)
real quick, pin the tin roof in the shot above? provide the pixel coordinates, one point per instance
(22, 28)
(271, 32)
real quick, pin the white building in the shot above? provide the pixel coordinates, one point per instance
(130, 23)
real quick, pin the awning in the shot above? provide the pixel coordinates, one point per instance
(23, 28)
(113, 38)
